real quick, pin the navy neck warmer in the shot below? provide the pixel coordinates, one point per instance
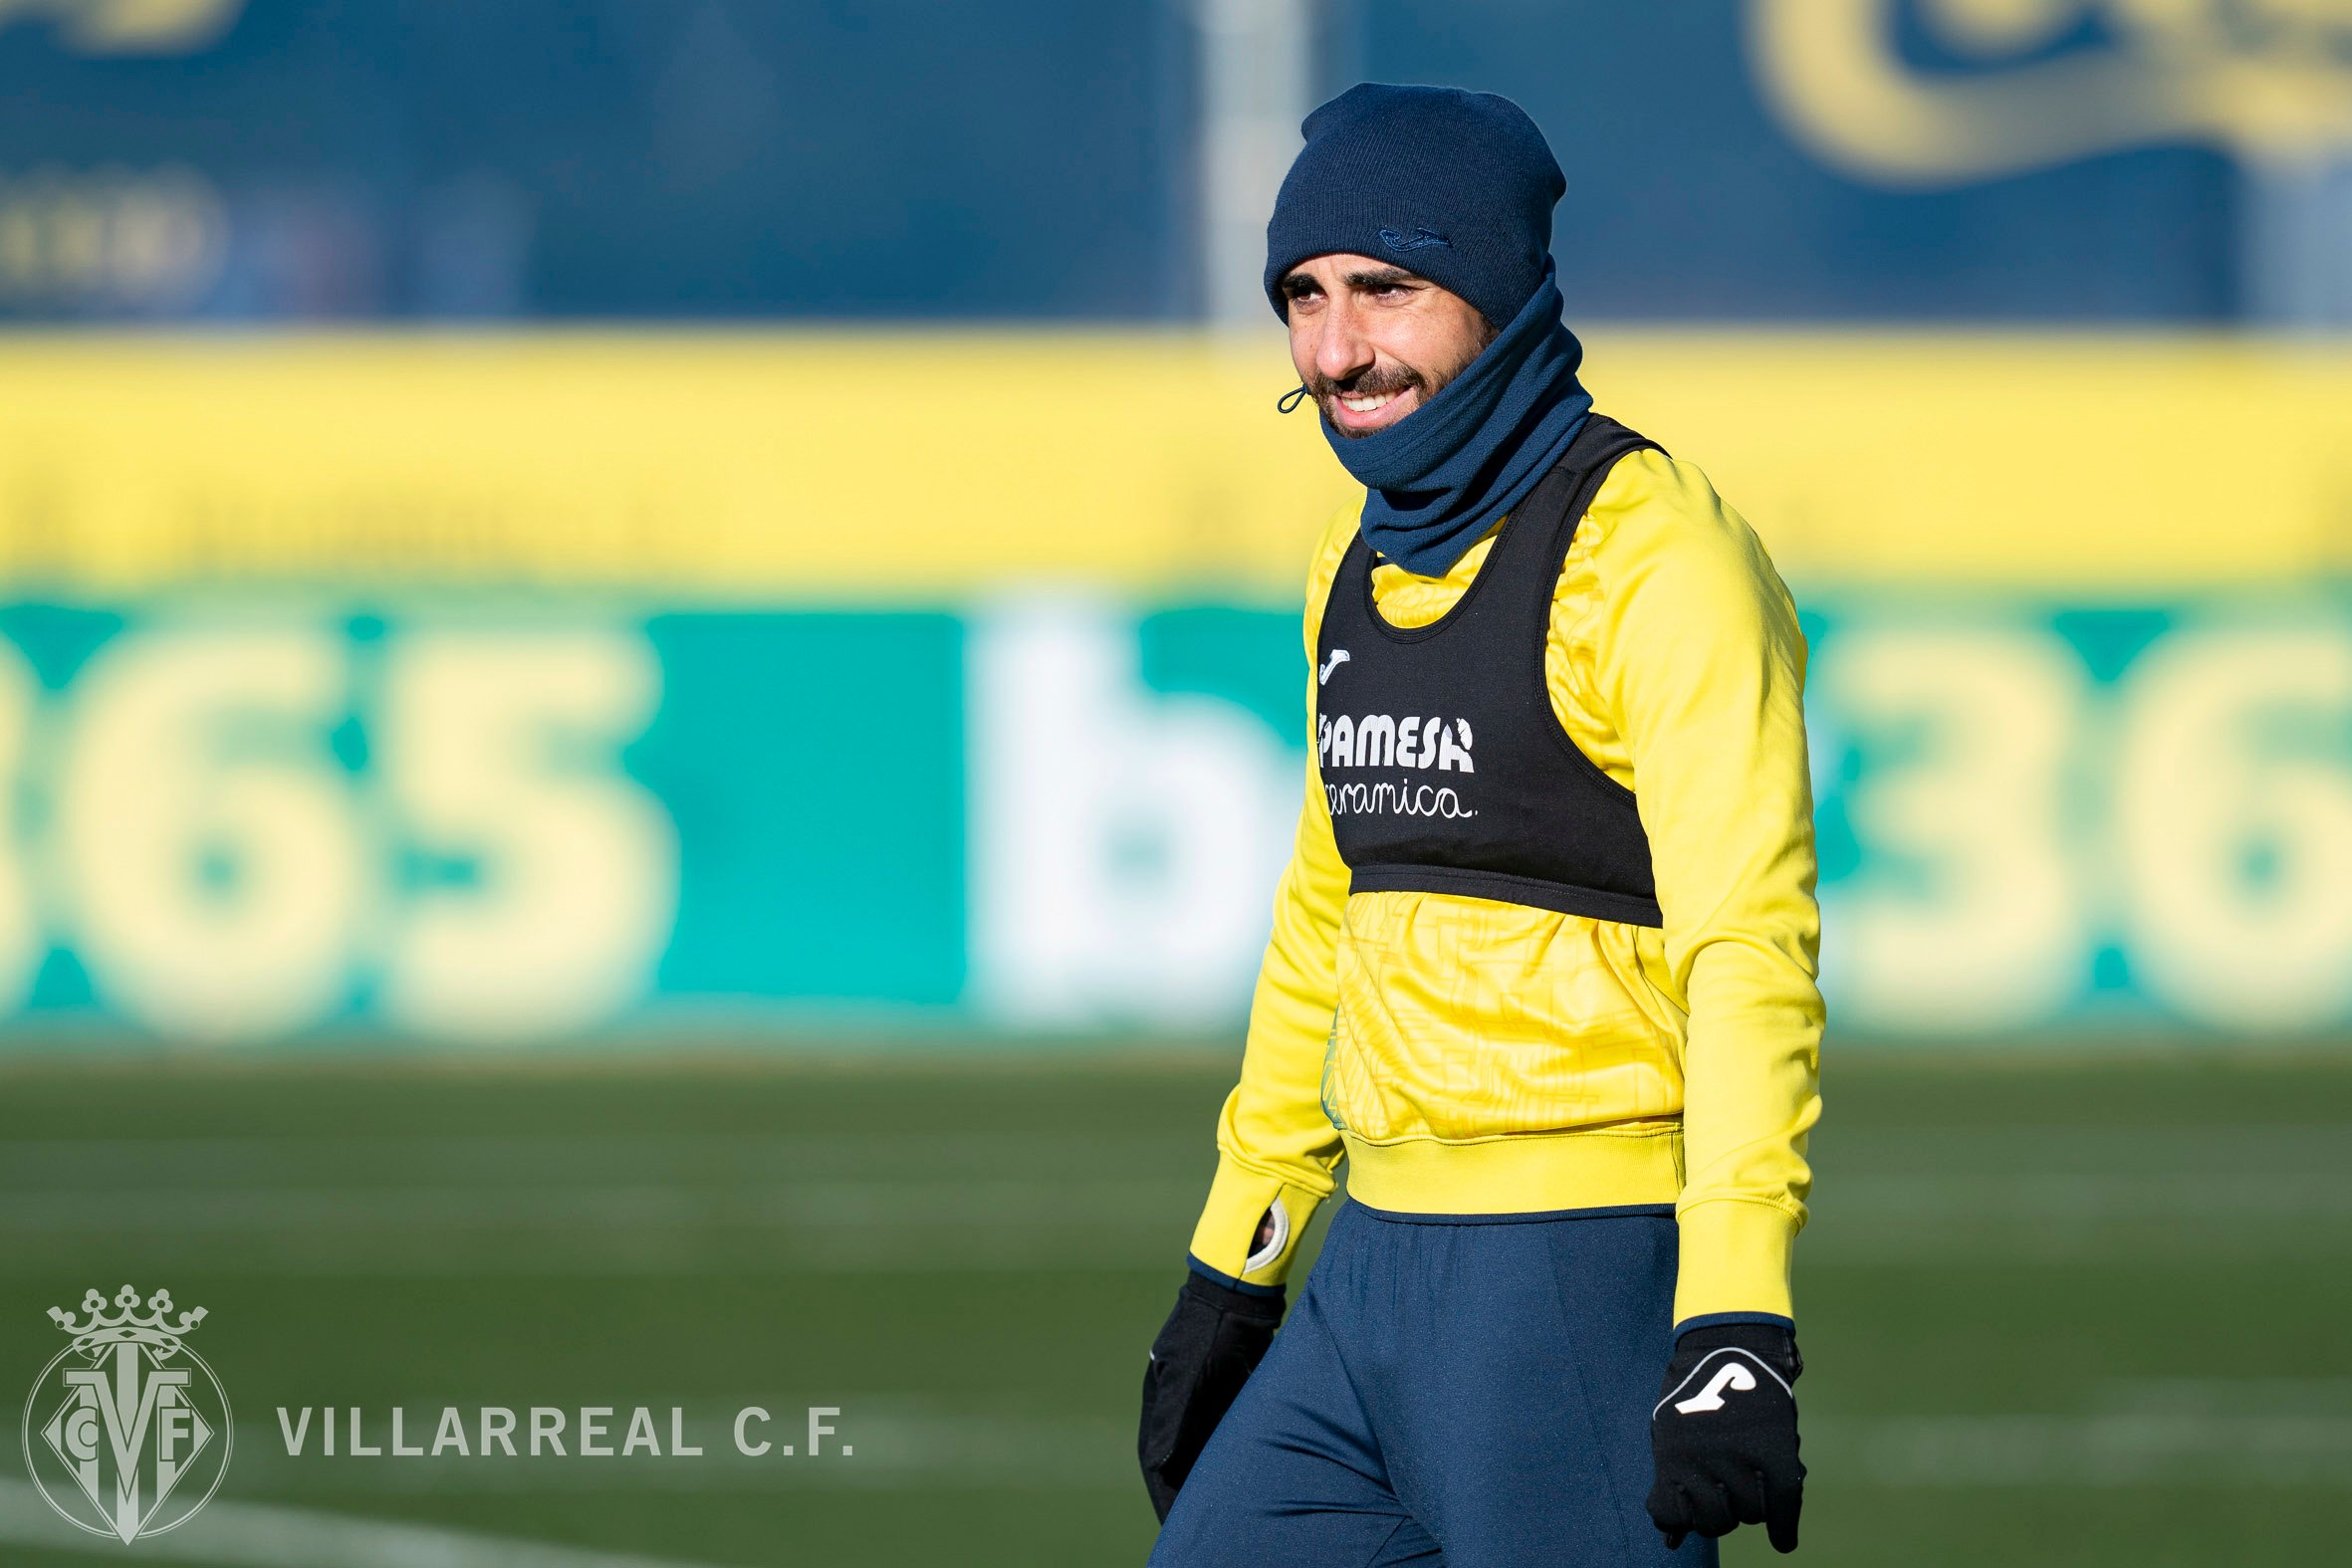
(1439, 477)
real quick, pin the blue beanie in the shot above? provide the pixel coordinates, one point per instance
(1456, 186)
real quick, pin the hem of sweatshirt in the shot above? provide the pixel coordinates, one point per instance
(1520, 1173)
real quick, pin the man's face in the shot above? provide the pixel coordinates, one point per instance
(1373, 342)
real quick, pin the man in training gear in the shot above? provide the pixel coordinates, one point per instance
(1542, 965)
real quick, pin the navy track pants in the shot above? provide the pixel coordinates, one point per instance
(1472, 1391)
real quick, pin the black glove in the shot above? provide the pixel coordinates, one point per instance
(1724, 1435)
(1206, 1350)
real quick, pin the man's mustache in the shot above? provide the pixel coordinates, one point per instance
(1368, 383)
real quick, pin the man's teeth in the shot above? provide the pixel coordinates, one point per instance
(1364, 405)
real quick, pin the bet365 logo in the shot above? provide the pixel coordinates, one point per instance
(127, 1432)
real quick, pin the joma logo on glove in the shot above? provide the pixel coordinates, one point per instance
(1720, 1462)
(1732, 1375)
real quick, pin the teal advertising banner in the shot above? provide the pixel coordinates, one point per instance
(530, 823)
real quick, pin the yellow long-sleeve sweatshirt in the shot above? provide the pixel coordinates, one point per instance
(1494, 1058)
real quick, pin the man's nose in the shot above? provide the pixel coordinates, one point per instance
(1341, 350)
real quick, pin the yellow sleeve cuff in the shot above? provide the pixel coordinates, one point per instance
(1238, 1199)
(1736, 1258)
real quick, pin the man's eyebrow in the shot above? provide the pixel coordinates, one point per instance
(1365, 278)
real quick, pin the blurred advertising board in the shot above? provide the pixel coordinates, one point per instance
(1834, 160)
(522, 690)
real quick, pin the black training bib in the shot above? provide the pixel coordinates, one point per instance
(1446, 769)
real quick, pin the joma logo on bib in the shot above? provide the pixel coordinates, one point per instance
(1380, 741)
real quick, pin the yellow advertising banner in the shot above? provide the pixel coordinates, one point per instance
(914, 465)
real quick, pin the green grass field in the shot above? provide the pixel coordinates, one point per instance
(2082, 1313)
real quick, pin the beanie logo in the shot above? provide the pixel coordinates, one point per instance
(1423, 238)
